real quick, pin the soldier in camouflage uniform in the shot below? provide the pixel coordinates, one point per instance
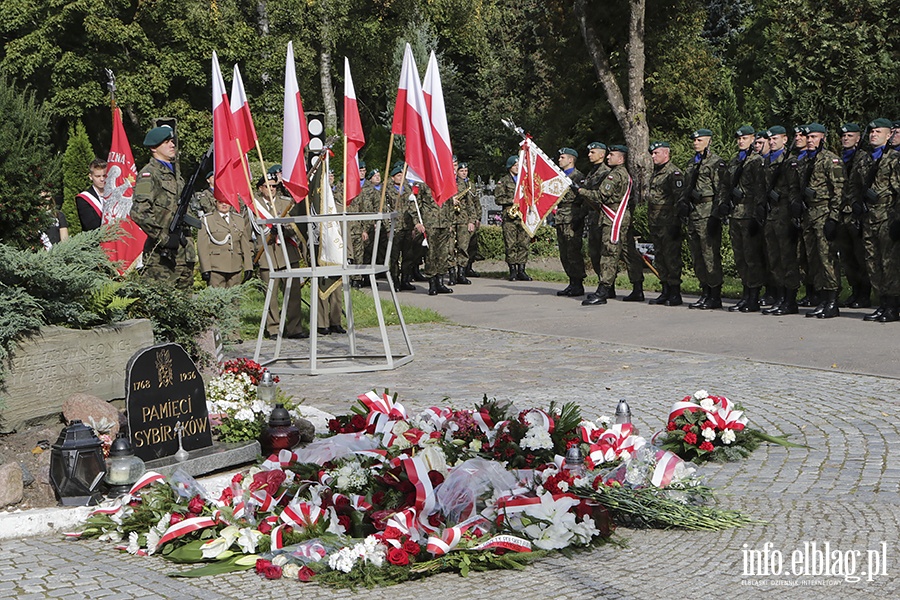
(437, 221)
(599, 171)
(782, 184)
(613, 194)
(515, 238)
(361, 232)
(665, 190)
(743, 197)
(205, 201)
(806, 274)
(703, 177)
(463, 225)
(167, 257)
(407, 250)
(569, 219)
(822, 186)
(849, 240)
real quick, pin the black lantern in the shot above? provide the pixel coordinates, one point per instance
(77, 466)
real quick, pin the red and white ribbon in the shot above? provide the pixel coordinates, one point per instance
(663, 473)
(145, 480)
(278, 461)
(383, 404)
(425, 499)
(185, 527)
(617, 216)
(301, 514)
(614, 443)
(507, 542)
(541, 419)
(450, 537)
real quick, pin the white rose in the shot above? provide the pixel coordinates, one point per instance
(709, 434)
(727, 436)
(707, 404)
(700, 394)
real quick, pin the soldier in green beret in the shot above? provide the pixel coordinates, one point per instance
(464, 213)
(599, 170)
(849, 240)
(569, 219)
(515, 238)
(665, 190)
(167, 257)
(436, 225)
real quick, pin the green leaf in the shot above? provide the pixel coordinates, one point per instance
(217, 568)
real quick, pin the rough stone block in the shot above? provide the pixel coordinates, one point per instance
(11, 487)
(93, 411)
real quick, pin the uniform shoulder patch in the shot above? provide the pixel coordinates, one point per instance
(146, 174)
(609, 176)
(835, 160)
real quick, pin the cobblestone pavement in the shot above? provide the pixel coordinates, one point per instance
(842, 490)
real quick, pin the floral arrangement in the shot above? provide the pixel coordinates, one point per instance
(393, 497)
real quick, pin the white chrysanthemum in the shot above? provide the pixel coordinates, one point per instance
(153, 537)
(700, 394)
(290, 571)
(281, 560)
(537, 439)
(709, 434)
(245, 414)
(133, 543)
(728, 436)
(707, 404)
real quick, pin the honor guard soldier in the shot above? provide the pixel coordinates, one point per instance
(465, 214)
(168, 257)
(665, 190)
(437, 222)
(703, 176)
(515, 238)
(599, 171)
(409, 239)
(89, 203)
(205, 201)
(569, 219)
(849, 238)
(223, 247)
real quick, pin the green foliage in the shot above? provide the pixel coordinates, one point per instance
(105, 301)
(76, 159)
(27, 167)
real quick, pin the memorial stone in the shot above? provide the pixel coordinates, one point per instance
(165, 394)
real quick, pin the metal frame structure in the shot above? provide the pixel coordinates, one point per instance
(351, 362)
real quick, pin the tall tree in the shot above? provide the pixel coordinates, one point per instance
(77, 157)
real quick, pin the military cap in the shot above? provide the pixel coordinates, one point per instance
(210, 174)
(569, 151)
(274, 169)
(455, 158)
(701, 133)
(762, 134)
(261, 181)
(882, 122)
(850, 127)
(396, 170)
(816, 128)
(619, 148)
(896, 124)
(776, 130)
(158, 135)
(656, 145)
(744, 130)
(272, 176)
(462, 165)
(596, 146)
(511, 161)
(362, 164)
(372, 173)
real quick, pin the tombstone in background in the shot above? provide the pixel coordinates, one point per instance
(165, 394)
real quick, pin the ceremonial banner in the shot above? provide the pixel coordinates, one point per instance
(411, 120)
(295, 137)
(331, 243)
(444, 186)
(121, 174)
(244, 130)
(354, 139)
(227, 162)
(540, 184)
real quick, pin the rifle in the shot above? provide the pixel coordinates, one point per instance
(690, 193)
(182, 216)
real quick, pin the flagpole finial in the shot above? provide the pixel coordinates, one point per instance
(111, 85)
(512, 125)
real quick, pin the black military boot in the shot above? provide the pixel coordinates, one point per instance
(780, 297)
(863, 297)
(417, 274)
(600, 297)
(830, 310)
(752, 304)
(513, 272)
(661, 299)
(461, 276)
(714, 300)
(745, 295)
(432, 286)
(470, 272)
(405, 285)
(441, 288)
(522, 275)
(674, 298)
(611, 292)
(769, 297)
(789, 306)
(565, 291)
(879, 311)
(451, 275)
(820, 307)
(637, 293)
(704, 294)
(810, 299)
(891, 310)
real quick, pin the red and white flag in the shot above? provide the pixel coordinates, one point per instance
(244, 130)
(539, 185)
(121, 174)
(227, 163)
(354, 139)
(411, 120)
(296, 137)
(445, 179)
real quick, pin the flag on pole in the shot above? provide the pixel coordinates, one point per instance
(121, 174)
(540, 184)
(411, 120)
(296, 137)
(445, 187)
(353, 135)
(227, 164)
(244, 130)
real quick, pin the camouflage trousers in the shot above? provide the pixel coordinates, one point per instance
(878, 248)
(436, 258)
(406, 253)
(460, 239)
(706, 246)
(666, 235)
(781, 248)
(821, 256)
(570, 238)
(516, 241)
(851, 251)
(178, 273)
(749, 258)
(624, 249)
(329, 308)
(595, 244)
(472, 251)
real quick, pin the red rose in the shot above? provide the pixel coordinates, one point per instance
(344, 521)
(671, 426)
(227, 496)
(334, 426)
(195, 506)
(392, 533)
(707, 445)
(176, 518)
(341, 503)
(272, 572)
(264, 527)
(686, 427)
(690, 438)
(238, 478)
(305, 574)
(262, 564)
(357, 422)
(398, 556)
(436, 519)
(411, 547)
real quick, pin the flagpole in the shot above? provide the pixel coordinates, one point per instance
(245, 167)
(345, 171)
(387, 168)
(269, 192)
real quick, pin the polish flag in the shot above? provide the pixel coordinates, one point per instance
(296, 137)
(445, 182)
(244, 130)
(224, 147)
(411, 120)
(353, 135)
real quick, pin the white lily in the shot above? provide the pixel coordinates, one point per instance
(248, 539)
(217, 546)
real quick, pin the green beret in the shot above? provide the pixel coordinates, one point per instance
(569, 151)
(362, 164)
(882, 122)
(274, 169)
(761, 134)
(511, 161)
(210, 174)
(619, 148)
(701, 133)
(372, 173)
(776, 130)
(462, 165)
(804, 129)
(656, 145)
(396, 170)
(896, 124)
(261, 182)
(158, 135)
(596, 146)
(816, 128)
(455, 158)
(744, 130)
(850, 127)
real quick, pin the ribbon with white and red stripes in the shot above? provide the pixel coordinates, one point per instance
(436, 416)
(540, 418)
(383, 404)
(313, 550)
(187, 526)
(589, 432)
(278, 461)
(145, 480)
(507, 542)
(617, 216)
(405, 522)
(614, 443)
(301, 514)
(450, 537)
(666, 462)
(425, 500)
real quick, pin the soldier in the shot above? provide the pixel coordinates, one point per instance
(436, 225)
(880, 189)
(330, 294)
(362, 232)
(570, 214)
(463, 225)
(408, 248)
(515, 238)
(223, 247)
(612, 199)
(822, 186)
(849, 240)
(782, 184)
(743, 198)
(703, 177)
(599, 171)
(89, 203)
(472, 251)
(665, 190)
(205, 202)
(812, 297)
(168, 257)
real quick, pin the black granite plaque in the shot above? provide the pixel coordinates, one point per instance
(164, 393)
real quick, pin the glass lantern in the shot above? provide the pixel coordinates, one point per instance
(124, 468)
(77, 466)
(575, 461)
(281, 433)
(623, 413)
(267, 390)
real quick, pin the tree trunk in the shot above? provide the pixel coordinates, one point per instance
(328, 98)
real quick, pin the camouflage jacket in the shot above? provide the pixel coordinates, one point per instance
(570, 207)
(666, 187)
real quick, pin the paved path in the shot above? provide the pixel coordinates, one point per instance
(843, 490)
